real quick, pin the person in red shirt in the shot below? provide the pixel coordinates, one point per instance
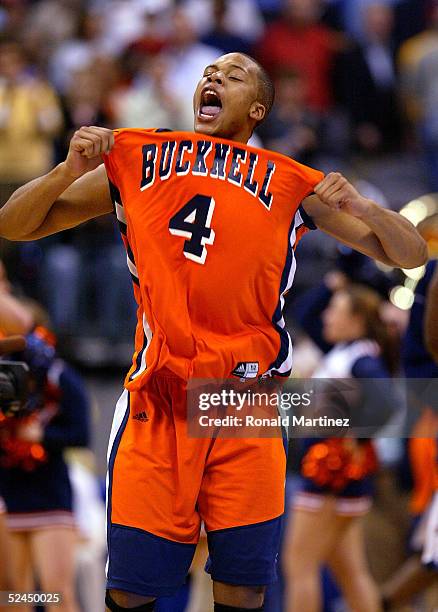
(297, 40)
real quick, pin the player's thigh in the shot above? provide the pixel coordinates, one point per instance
(242, 504)
(243, 482)
(154, 469)
(53, 552)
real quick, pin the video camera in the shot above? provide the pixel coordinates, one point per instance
(14, 377)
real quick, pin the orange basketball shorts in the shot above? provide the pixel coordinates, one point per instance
(162, 484)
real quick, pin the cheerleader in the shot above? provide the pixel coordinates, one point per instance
(326, 526)
(34, 481)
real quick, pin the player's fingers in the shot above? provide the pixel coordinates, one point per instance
(105, 135)
(85, 146)
(327, 181)
(334, 188)
(96, 139)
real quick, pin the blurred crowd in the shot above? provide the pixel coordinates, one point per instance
(355, 80)
(357, 90)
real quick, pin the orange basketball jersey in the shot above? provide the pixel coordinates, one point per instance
(210, 228)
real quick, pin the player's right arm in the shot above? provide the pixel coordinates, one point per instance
(73, 192)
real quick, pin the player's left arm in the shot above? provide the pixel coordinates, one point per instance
(338, 209)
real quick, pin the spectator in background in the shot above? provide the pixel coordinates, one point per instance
(411, 53)
(366, 82)
(298, 40)
(222, 23)
(187, 59)
(12, 17)
(351, 14)
(152, 41)
(33, 474)
(82, 51)
(417, 61)
(83, 101)
(425, 101)
(48, 24)
(291, 128)
(219, 35)
(124, 20)
(150, 101)
(270, 8)
(30, 118)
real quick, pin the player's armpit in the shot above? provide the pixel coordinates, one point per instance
(347, 229)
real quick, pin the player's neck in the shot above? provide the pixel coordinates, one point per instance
(241, 137)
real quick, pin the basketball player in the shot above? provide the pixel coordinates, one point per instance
(210, 226)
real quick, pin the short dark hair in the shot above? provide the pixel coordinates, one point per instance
(266, 86)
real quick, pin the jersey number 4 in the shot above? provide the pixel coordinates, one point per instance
(193, 222)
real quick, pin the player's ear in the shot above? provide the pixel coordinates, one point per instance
(257, 111)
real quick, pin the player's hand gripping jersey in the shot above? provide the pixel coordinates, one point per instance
(210, 228)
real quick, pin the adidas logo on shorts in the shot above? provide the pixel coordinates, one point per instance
(141, 416)
(246, 369)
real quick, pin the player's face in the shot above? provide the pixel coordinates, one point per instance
(225, 101)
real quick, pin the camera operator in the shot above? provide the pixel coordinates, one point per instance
(34, 480)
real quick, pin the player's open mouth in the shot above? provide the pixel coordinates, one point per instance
(211, 105)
